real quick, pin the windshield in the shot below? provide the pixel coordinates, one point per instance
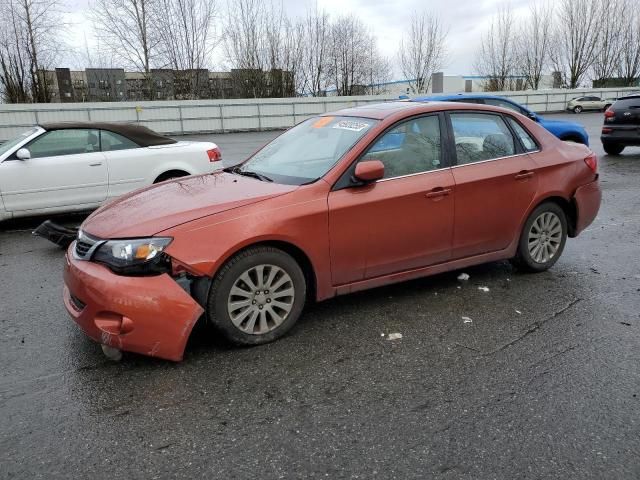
(307, 151)
(9, 144)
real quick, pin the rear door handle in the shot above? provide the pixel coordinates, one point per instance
(95, 164)
(524, 175)
(438, 192)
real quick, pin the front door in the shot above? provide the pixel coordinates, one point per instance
(495, 180)
(403, 221)
(66, 168)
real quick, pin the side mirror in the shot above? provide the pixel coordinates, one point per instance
(23, 154)
(369, 171)
(533, 116)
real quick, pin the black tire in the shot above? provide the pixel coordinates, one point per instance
(524, 260)
(577, 109)
(220, 294)
(613, 148)
(170, 175)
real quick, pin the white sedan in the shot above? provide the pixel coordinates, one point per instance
(64, 167)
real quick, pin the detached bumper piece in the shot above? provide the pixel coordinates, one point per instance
(58, 234)
(148, 315)
(588, 199)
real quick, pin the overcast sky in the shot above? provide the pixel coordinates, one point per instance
(467, 20)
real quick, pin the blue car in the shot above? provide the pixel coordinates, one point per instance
(568, 131)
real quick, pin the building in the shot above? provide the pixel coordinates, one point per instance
(116, 85)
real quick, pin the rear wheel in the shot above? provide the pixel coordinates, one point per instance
(543, 238)
(613, 148)
(257, 296)
(577, 109)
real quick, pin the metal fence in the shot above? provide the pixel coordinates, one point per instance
(220, 116)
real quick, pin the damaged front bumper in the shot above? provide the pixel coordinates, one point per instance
(148, 315)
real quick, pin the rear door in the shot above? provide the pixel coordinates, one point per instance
(66, 169)
(495, 182)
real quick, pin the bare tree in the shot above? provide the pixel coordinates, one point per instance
(629, 62)
(533, 43)
(29, 44)
(576, 39)
(609, 52)
(128, 31)
(264, 47)
(350, 55)
(316, 33)
(186, 40)
(422, 51)
(496, 59)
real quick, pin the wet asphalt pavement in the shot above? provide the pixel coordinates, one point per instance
(544, 382)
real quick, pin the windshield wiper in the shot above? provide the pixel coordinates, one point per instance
(249, 173)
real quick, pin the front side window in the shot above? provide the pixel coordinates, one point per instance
(8, 145)
(65, 142)
(412, 146)
(527, 142)
(111, 141)
(479, 137)
(307, 151)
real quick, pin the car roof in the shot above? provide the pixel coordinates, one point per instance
(380, 111)
(444, 96)
(143, 136)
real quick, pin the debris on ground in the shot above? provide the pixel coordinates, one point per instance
(484, 289)
(518, 312)
(394, 336)
(463, 277)
(467, 320)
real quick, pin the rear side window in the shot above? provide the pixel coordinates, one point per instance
(480, 136)
(527, 141)
(503, 104)
(111, 141)
(627, 103)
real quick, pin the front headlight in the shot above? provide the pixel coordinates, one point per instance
(139, 256)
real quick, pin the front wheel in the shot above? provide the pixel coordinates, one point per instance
(543, 238)
(613, 148)
(577, 109)
(257, 296)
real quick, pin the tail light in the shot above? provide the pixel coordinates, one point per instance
(607, 130)
(609, 113)
(215, 155)
(592, 162)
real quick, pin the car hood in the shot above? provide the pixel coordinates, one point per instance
(168, 204)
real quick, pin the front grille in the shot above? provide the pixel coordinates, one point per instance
(82, 247)
(85, 245)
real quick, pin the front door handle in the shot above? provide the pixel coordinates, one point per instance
(524, 175)
(95, 164)
(438, 192)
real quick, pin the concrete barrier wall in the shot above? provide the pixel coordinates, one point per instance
(219, 116)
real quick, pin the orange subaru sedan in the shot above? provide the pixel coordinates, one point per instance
(342, 202)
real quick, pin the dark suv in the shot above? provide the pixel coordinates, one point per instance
(621, 125)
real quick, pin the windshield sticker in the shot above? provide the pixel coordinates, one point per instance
(352, 125)
(322, 122)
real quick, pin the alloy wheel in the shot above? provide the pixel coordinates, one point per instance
(545, 237)
(261, 299)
